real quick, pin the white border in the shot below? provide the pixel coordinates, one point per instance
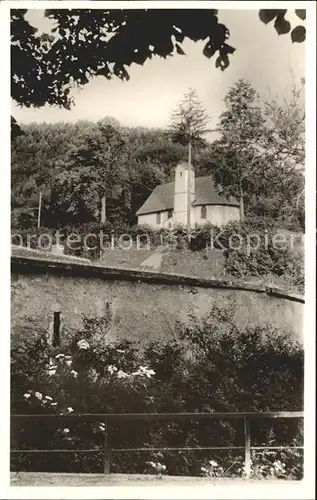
(304, 489)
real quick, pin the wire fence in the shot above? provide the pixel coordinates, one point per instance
(109, 418)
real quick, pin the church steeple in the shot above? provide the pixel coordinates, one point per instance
(184, 194)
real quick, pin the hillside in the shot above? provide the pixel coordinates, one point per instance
(204, 264)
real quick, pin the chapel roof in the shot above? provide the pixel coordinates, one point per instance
(162, 197)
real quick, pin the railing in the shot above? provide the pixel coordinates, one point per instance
(246, 417)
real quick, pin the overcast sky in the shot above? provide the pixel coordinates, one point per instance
(269, 61)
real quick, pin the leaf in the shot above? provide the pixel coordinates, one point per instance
(298, 34)
(104, 71)
(179, 50)
(164, 47)
(179, 36)
(141, 57)
(222, 62)
(267, 15)
(226, 49)
(209, 50)
(281, 25)
(301, 13)
(15, 128)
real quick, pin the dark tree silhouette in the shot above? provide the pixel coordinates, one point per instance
(86, 43)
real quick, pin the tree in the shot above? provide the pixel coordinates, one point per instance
(106, 162)
(212, 366)
(46, 153)
(107, 42)
(156, 148)
(285, 146)
(91, 172)
(237, 154)
(188, 126)
(286, 126)
(189, 121)
(281, 25)
(16, 130)
(144, 177)
(260, 157)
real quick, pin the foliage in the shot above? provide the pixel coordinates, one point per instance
(24, 218)
(238, 162)
(286, 126)
(265, 464)
(158, 468)
(259, 158)
(189, 121)
(104, 42)
(284, 143)
(73, 164)
(42, 161)
(261, 246)
(282, 26)
(258, 247)
(266, 262)
(87, 173)
(211, 366)
(16, 130)
(107, 42)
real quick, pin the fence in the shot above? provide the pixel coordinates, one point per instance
(247, 417)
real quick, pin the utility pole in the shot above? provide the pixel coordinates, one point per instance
(39, 211)
(103, 210)
(188, 186)
(102, 220)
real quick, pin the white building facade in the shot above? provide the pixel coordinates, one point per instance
(187, 202)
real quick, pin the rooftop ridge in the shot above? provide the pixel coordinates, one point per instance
(162, 196)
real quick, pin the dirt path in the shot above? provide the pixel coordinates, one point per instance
(56, 479)
(154, 261)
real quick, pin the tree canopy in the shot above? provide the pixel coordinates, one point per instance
(258, 159)
(241, 128)
(73, 165)
(189, 121)
(260, 154)
(86, 43)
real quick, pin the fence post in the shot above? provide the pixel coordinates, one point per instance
(247, 447)
(106, 463)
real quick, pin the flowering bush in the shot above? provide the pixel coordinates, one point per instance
(212, 469)
(213, 366)
(265, 464)
(158, 468)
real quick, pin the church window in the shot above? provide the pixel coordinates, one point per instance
(203, 212)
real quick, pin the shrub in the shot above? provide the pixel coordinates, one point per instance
(30, 237)
(211, 366)
(242, 261)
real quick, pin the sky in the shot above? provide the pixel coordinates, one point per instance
(271, 62)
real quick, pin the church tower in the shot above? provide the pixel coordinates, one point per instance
(184, 194)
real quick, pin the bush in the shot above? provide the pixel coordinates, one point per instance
(212, 366)
(242, 262)
(33, 237)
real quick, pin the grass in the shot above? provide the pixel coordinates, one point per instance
(118, 257)
(200, 264)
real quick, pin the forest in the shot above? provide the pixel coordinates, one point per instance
(258, 157)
